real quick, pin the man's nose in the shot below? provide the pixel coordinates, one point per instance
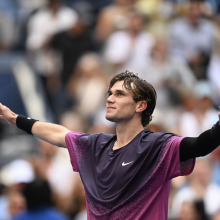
(110, 98)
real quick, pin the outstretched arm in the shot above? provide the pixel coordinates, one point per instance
(49, 132)
(205, 143)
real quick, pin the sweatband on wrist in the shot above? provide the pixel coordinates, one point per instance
(25, 123)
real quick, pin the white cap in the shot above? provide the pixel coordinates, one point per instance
(203, 89)
(18, 171)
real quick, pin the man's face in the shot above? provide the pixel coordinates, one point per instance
(120, 105)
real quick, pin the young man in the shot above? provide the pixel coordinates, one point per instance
(127, 175)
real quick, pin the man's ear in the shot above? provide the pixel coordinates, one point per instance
(141, 106)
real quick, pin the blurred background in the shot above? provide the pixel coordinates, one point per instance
(56, 59)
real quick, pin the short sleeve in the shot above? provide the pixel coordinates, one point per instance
(75, 148)
(174, 167)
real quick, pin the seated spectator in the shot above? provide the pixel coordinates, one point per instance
(169, 76)
(213, 70)
(77, 202)
(88, 84)
(193, 211)
(111, 18)
(74, 42)
(17, 203)
(8, 35)
(215, 156)
(38, 196)
(192, 38)
(129, 48)
(159, 14)
(199, 187)
(12, 203)
(48, 20)
(201, 114)
(42, 25)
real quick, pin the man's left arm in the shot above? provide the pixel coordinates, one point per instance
(205, 143)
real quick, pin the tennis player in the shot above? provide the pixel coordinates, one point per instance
(127, 175)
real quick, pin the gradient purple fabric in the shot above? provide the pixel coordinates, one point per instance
(132, 182)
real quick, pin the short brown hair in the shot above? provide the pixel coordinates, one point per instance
(142, 90)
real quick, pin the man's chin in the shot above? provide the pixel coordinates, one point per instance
(109, 118)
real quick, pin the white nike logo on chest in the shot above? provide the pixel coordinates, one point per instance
(124, 164)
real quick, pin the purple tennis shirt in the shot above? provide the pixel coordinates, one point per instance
(132, 182)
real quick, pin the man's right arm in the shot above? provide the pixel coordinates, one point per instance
(49, 132)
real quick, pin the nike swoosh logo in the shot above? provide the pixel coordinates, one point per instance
(125, 164)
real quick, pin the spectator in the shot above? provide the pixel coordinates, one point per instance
(73, 120)
(48, 20)
(199, 187)
(169, 76)
(14, 175)
(17, 203)
(193, 211)
(159, 13)
(192, 38)
(130, 48)
(213, 71)
(12, 203)
(201, 114)
(52, 165)
(8, 35)
(111, 18)
(26, 9)
(77, 206)
(88, 84)
(39, 202)
(42, 25)
(215, 156)
(4, 203)
(100, 123)
(74, 42)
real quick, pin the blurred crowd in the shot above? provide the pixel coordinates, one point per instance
(71, 49)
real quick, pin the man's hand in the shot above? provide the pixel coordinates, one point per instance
(52, 133)
(7, 115)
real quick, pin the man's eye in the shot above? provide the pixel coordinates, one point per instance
(119, 94)
(109, 94)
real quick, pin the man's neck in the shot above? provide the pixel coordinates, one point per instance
(125, 133)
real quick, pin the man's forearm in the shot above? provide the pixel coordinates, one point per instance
(52, 133)
(49, 132)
